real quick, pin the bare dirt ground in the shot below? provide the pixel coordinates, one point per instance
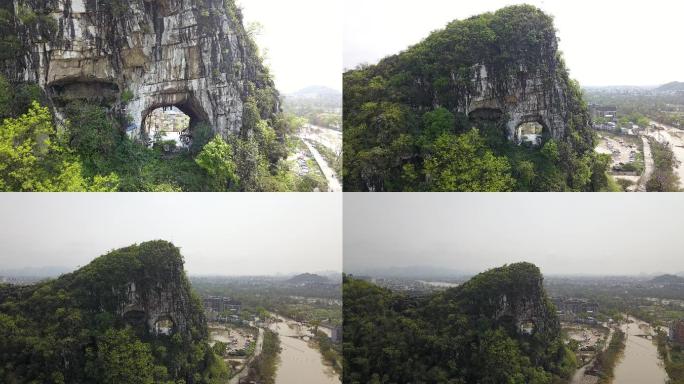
(326, 136)
(621, 151)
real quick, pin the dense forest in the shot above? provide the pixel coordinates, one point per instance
(77, 329)
(466, 334)
(407, 121)
(53, 144)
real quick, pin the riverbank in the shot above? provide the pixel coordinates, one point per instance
(672, 356)
(300, 362)
(640, 361)
(630, 357)
(607, 359)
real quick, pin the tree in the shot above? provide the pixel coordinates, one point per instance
(216, 159)
(437, 122)
(120, 358)
(33, 157)
(92, 134)
(464, 163)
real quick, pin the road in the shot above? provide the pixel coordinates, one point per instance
(333, 183)
(648, 166)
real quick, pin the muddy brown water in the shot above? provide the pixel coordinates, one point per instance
(300, 363)
(640, 362)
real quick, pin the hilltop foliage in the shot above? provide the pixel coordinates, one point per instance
(450, 337)
(70, 330)
(405, 126)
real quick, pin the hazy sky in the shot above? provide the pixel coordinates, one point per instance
(580, 233)
(303, 39)
(605, 42)
(219, 234)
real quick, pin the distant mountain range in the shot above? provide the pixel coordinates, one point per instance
(315, 92)
(674, 86)
(315, 95)
(668, 279)
(51, 271)
(308, 278)
(412, 272)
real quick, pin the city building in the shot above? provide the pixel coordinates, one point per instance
(576, 310)
(216, 307)
(608, 112)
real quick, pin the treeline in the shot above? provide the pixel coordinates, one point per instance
(264, 367)
(665, 108)
(608, 358)
(331, 352)
(405, 129)
(673, 357)
(290, 301)
(456, 336)
(664, 178)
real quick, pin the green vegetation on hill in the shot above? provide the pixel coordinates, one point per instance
(72, 329)
(405, 128)
(91, 152)
(462, 335)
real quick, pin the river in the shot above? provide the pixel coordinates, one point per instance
(640, 362)
(299, 363)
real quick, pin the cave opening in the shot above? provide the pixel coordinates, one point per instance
(164, 326)
(171, 122)
(490, 114)
(134, 318)
(99, 92)
(527, 327)
(168, 127)
(529, 134)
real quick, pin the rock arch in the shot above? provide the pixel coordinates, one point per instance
(164, 325)
(514, 128)
(531, 100)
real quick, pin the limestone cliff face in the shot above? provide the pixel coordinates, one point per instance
(144, 285)
(131, 303)
(529, 96)
(138, 55)
(502, 66)
(512, 296)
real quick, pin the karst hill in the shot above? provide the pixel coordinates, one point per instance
(485, 104)
(497, 327)
(128, 316)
